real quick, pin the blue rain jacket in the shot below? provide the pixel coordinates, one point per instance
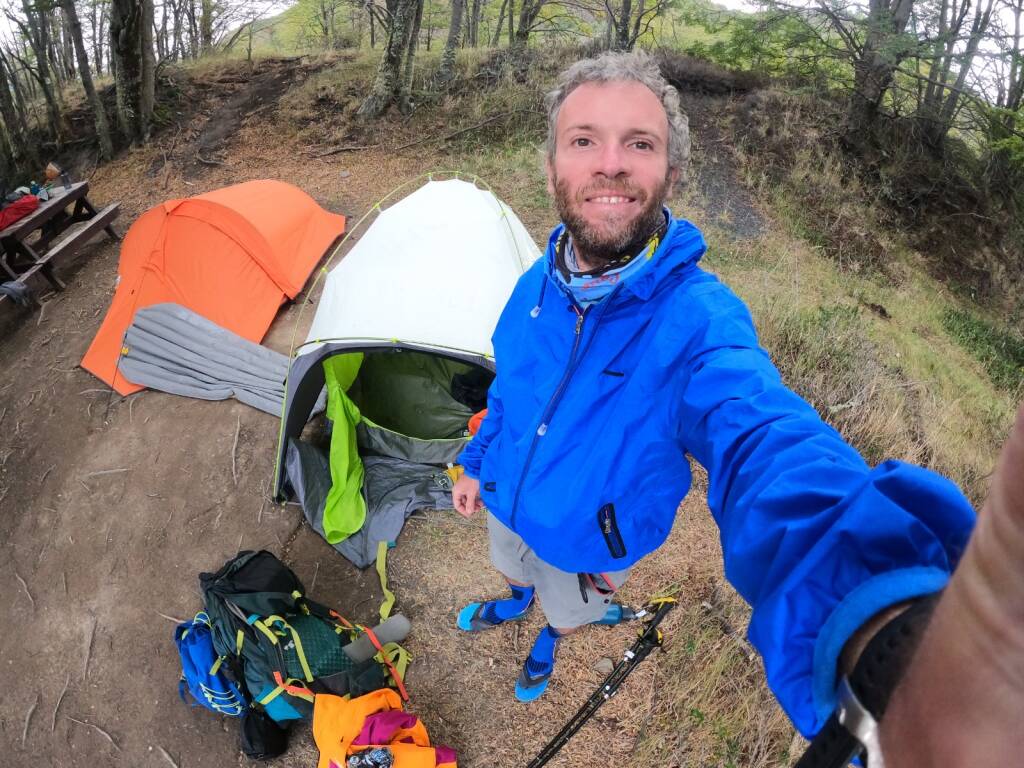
(583, 454)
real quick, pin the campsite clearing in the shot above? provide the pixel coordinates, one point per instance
(111, 506)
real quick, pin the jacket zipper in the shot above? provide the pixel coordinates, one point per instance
(553, 402)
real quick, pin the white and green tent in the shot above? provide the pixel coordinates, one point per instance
(402, 342)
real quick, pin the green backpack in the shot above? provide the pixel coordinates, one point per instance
(279, 645)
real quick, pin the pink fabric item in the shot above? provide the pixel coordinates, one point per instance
(379, 728)
(444, 755)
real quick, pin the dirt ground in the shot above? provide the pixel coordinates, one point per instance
(110, 507)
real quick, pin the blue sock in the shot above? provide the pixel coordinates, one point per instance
(542, 656)
(509, 608)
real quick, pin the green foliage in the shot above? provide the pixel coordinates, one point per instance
(1001, 353)
(1012, 148)
(777, 43)
(1004, 150)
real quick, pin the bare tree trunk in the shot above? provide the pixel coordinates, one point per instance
(622, 26)
(405, 98)
(96, 21)
(880, 54)
(14, 120)
(641, 9)
(1015, 85)
(177, 49)
(447, 71)
(29, 78)
(49, 19)
(321, 22)
(38, 33)
(99, 114)
(950, 108)
(19, 95)
(387, 87)
(129, 21)
(951, 17)
(474, 24)
(941, 45)
(147, 101)
(206, 26)
(193, 29)
(67, 47)
(511, 19)
(160, 33)
(501, 22)
(528, 13)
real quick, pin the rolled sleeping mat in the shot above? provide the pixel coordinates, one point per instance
(394, 630)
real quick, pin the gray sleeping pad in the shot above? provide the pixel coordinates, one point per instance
(173, 349)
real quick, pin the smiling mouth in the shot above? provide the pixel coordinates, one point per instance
(611, 199)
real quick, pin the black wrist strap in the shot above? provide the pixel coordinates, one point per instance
(879, 669)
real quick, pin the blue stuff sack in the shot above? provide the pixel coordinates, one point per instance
(201, 669)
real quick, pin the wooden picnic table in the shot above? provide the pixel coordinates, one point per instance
(20, 259)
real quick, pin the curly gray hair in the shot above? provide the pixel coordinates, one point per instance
(635, 66)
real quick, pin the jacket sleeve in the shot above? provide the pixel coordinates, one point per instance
(472, 455)
(814, 540)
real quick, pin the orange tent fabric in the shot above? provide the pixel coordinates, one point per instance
(232, 255)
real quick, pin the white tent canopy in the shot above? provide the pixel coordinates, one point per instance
(434, 270)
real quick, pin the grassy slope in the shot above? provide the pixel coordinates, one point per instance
(898, 387)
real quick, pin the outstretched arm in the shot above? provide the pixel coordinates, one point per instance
(816, 541)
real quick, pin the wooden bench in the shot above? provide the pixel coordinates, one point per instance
(21, 260)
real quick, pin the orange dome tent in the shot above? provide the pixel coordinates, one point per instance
(232, 255)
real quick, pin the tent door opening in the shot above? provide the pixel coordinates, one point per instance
(395, 419)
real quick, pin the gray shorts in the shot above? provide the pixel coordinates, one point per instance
(569, 600)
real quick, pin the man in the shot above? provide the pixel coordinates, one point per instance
(617, 355)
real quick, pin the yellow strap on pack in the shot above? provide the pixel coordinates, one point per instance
(397, 655)
(279, 622)
(300, 653)
(239, 639)
(285, 686)
(272, 695)
(389, 596)
(263, 628)
(216, 665)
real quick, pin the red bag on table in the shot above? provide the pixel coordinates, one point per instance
(17, 210)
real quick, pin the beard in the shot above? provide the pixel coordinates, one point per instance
(615, 237)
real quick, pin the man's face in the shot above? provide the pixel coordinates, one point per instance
(610, 173)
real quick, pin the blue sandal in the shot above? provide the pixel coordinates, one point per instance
(477, 617)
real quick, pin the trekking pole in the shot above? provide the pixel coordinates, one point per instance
(650, 638)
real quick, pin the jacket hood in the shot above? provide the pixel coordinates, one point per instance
(681, 246)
